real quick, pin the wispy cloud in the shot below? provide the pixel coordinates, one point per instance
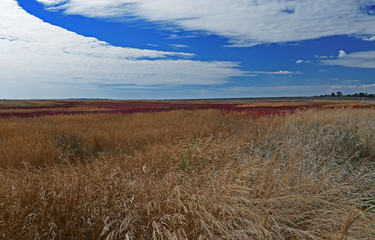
(302, 61)
(34, 53)
(272, 91)
(245, 23)
(364, 59)
(281, 72)
(179, 46)
(322, 57)
(369, 38)
(296, 90)
(365, 87)
(152, 45)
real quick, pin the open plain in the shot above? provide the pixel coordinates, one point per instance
(206, 169)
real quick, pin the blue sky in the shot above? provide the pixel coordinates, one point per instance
(161, 49)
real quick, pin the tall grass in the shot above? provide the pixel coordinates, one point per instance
(189, 175)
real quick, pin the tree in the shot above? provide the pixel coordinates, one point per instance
(339, 94)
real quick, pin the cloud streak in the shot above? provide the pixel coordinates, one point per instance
(369, 38)
(281, 72)
(244, 22)
(33, 53)
(364, 59)
(288, 91)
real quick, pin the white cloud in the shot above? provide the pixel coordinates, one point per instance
(364, 87)
(369, 38)
(342, 53)
(290, 91)
(278, 91)
(322, 57)
(356, 59)
(244, 22)
(299, 61)
(179, 46)
(152, 45)
(281, 72)
(34, 53)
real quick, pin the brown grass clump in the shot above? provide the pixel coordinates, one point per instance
(189, 175)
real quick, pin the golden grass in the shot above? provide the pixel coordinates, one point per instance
(54, 110)
(275, 104)
(33, 103)
(189, 175)
(356, 104)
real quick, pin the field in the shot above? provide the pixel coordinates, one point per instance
(42, 108)
(233, 169)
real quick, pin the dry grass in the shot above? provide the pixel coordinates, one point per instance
(189, 175)
(53, 110)
(33, 103)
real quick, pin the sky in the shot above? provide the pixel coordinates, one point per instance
(178, 49)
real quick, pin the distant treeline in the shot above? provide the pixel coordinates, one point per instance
(340, 94)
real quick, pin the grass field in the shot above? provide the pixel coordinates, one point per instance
(187, 170)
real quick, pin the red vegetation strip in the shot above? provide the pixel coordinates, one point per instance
(144, 107)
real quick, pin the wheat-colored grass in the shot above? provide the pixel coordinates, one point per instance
(189, 175)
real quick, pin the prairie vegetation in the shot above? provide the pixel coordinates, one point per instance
(199, 174)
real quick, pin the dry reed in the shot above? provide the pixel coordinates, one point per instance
(189, 175)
